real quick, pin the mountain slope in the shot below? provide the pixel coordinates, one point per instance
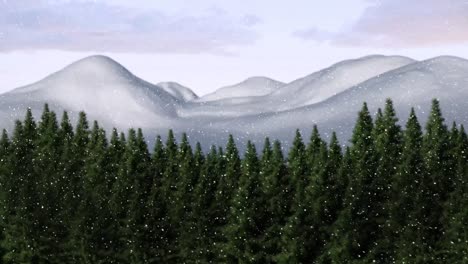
(333, 80)
(414, 85)
(115, 97)
(254, 86)
(178, 91)
(101, 87)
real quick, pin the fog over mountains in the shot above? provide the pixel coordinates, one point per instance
(252, 109)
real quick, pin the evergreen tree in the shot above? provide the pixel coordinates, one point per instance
(139, 170)
(170, 182)
(438, 182)
(275, 185)
(326, 195)
(415, 200)
(227, 186)
(388, 144)
(246, 219)
(46, 165)
(293, 248)
(297, 171)
(356, 228)
(155, 239)
(204, 212)
(115, 153)
(453, 246)
(313, 150)
(21, 199)
(5, 168)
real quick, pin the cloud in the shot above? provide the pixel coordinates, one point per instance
(401, 24)
(101, 27)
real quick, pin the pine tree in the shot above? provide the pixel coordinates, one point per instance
(275, 185)
(246, 219)
(139, 170)
(156, 237)
(115, 153)
(227, 186)
(439, 181)
(332, 250)
(76, 173)
(388, 140)
(46, 165)
(313, 150)
(204, 212)
(170, 183)
(21, 199)
(5, 168)
(94, 230)
(123, 194)
(292, 245)
(354, 234)
(326, 195)
(297, 166)
(453, 247)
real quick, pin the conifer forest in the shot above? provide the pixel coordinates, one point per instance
(395, 193)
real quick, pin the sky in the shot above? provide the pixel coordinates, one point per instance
(207, 44)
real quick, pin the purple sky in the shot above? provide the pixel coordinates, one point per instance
(210, 43)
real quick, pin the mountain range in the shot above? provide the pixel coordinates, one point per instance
(252, 109)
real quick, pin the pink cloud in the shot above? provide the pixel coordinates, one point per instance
(400, 24)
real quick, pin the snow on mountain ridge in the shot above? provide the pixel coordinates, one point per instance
(335, 79)
(126, 101)
(103, 88)
(178, 91)
(253, 86)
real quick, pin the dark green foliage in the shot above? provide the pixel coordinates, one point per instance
(204, 213)
(408, 209)
(393, 196)
(357, 226)
(245, 228)
(227, 185)
(275, 185)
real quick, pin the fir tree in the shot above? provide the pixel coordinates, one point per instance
(275, 184)
(439, 181)
(453, 247)
(21, 199)
(292, 246)
(354, 234)
(227, 186)
(388, 140)
(46, 164)
(204, 212)
(246, 219)
(5, 168)
(155, 239)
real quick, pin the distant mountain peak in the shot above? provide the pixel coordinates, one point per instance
(253, 86)
(97, 66)
(178, 91)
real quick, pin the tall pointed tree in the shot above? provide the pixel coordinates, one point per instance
(354, 234)
(246, 218)
(292, 246)
(275, 184)
(4, 174)
(227, 186)
(388, 145)
(204, 212)
(439, 181)
(21, 198)
(453, 246)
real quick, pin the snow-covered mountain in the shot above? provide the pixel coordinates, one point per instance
(178, 91)
(99, 86)
(254, 86)
(253, 109)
